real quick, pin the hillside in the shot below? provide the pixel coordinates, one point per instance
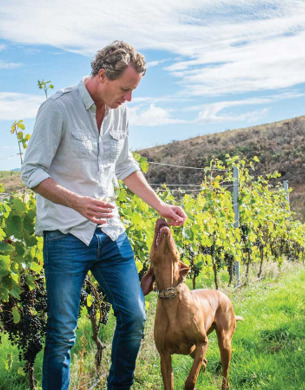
(279, 146)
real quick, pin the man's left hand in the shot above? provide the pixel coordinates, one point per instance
(174, 214)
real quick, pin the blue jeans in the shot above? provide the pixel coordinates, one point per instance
(67, 261)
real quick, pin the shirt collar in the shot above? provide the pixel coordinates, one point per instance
(87, 99)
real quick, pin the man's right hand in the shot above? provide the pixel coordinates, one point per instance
(97, 211)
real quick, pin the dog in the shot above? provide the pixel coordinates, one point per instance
(185, 318)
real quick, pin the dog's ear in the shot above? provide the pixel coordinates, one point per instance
(184, 269)
(147, 282)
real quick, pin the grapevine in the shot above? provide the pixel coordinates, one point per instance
(208, 242)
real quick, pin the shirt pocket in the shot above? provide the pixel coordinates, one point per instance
(83, 145)
(113, 143)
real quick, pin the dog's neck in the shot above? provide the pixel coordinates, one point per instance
(167, 275)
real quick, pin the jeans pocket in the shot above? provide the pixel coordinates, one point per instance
(54, 235)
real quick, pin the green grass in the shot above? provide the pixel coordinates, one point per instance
(268, 346)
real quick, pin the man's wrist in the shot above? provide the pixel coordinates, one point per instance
(159, 206)
(75, 202)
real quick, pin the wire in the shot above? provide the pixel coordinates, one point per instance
(176, 166)
(175, 185)
(177, 189)
(9, 157)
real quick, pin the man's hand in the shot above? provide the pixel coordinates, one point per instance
(174, 214)
(97, 211)
(137, 183)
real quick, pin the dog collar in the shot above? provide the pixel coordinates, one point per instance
(170, 292)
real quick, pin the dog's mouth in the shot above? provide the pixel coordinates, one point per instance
(161, 229)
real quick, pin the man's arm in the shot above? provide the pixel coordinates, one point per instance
(93, 209)
(137, 183)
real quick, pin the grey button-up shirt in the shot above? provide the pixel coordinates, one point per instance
(67, 146)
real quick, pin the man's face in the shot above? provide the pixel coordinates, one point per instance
(116, 92)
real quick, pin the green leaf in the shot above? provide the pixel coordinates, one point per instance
(36, 267)
(19, 205)
(16, 315)
(136, 218)
(15, 226)
(195, 229)
(6, 247)
(20, 371)
(90, 300)
(15, 292)
(29, 239)
(28, 224)
(5, 210)
(30, 281)
(5, 262)
(4, 297)
(20, 248)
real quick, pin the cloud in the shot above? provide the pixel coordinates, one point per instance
(152, 64)
(9, 147)
(144, 112)
(9, 65)
(214, 112)
(274, 64)
(211, 112)
(15, 106)
(229, 46)
(151, 116)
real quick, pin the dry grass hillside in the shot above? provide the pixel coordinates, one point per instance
(11, 181)
(280, 146)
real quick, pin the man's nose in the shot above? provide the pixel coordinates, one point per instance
(128, 96)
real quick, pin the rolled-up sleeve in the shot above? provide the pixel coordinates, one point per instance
(126, 165)
(43, 144)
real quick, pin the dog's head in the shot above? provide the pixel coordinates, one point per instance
(162, 254)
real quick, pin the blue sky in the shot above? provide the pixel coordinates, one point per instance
(212, 65)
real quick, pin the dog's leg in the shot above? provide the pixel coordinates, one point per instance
(224, 342)
(167, 371)
(199, 360)
(204, 362)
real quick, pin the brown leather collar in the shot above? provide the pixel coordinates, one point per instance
(170, 292)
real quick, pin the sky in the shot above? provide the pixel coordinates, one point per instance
(212, 65)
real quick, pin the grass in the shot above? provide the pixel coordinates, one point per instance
(268, 346)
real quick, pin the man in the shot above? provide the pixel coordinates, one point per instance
(79, 147)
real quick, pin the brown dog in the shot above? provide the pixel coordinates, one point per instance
(184, 318)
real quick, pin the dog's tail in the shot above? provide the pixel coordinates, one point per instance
(239, 318)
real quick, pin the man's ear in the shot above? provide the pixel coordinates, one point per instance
(147, 282)
(184, 269)
(102, 75)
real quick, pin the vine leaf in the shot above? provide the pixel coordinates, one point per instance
(16, 315)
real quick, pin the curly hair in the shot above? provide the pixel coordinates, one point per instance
(115, 58)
